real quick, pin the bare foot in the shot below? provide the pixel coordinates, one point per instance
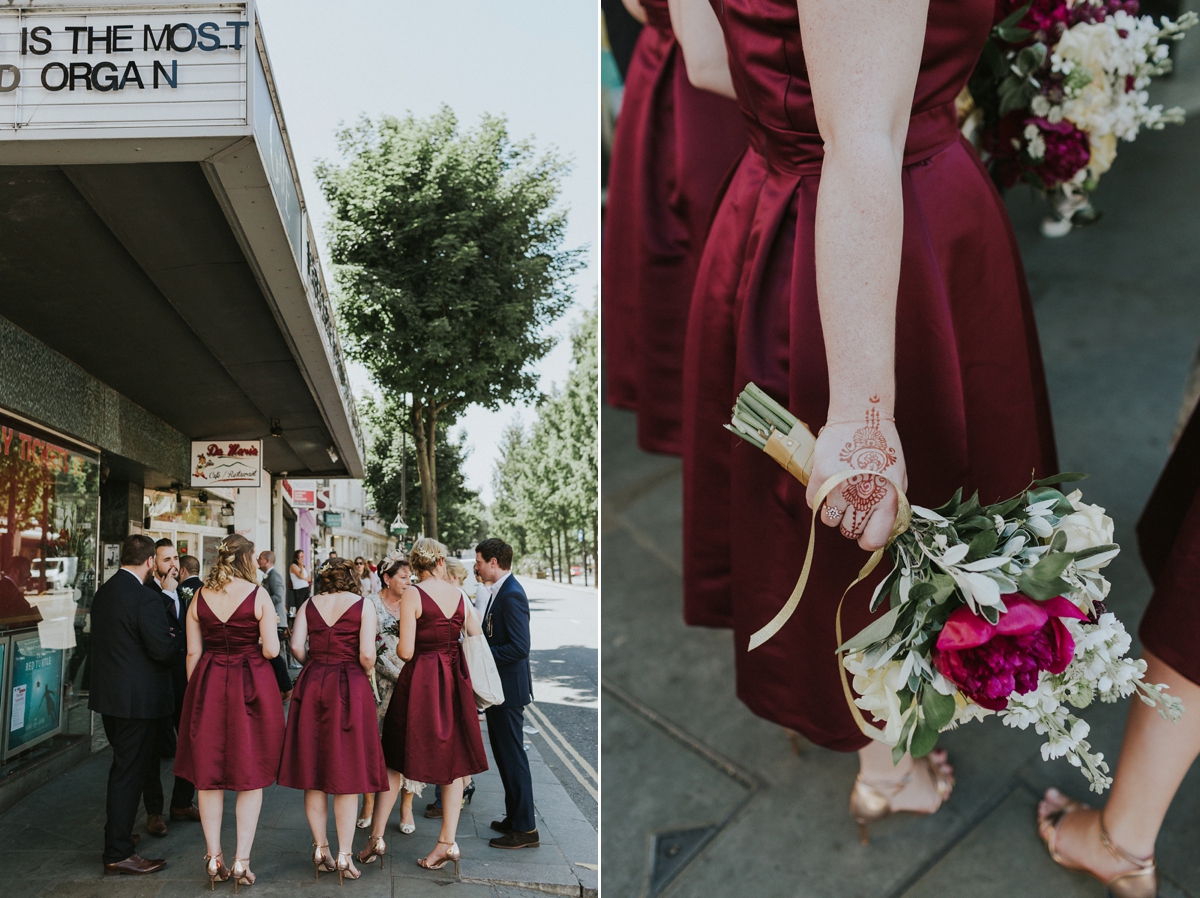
(920, 794)
(1077, 838)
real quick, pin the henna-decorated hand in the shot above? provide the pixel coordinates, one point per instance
(864, 507)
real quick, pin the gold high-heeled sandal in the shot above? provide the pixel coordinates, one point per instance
(870, 803)
(376, 848)
(1140, 882)
(214, 866)
(452, 854)
(365, 819)
(322, 860)
(241, 873)
(344, 869)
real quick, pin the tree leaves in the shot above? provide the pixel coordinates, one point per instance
(449, 258)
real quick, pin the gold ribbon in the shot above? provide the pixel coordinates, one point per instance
(793, 450)
(903, 520)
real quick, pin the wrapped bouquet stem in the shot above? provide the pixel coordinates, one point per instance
(991, 609)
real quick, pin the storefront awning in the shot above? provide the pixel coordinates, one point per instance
(153, 231)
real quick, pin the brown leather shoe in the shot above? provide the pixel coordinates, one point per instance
(502, 826)
(135, 865)
(514, 840)
(433, 810)
(188, 813)
(155, 825)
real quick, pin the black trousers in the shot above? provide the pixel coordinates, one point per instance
(134, 744)
(505, 723)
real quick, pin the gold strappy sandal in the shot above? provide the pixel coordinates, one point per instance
(870, 803)
(1141, 882)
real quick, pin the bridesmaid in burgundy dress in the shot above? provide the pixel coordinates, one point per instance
(1118, 847)
(862, 270)
(332, 741)
(231, 727)
(673, 145)
(431, 731)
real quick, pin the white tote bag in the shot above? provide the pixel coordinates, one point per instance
(485, 678)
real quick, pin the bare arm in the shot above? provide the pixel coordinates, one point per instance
(268, 623)
(703, 44)
(195, 642)
(471, 621)
(634, 8)
(367, 629)
(863, 57)
(410, 610)
(299, 640)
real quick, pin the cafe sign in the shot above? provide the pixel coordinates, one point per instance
(120, 68)
(227, 463)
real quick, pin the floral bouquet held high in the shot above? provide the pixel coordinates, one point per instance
(995, 609)
(1059, 82)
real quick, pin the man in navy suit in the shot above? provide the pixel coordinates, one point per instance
(506, 626)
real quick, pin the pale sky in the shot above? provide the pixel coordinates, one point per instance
(536, 62)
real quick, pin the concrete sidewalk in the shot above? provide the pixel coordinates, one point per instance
(710, 800)
(50, 846)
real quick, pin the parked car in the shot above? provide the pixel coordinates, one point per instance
(576, 571)
(60, 572)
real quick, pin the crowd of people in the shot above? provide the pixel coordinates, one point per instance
(383, 704)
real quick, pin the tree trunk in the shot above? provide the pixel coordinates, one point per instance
(551, 553)
(596, 543)
(567, 549)
(431, 441)
(584, 554)
(424, 434)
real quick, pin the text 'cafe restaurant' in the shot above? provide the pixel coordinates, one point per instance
(168, 353)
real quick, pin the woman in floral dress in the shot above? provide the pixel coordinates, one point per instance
(395, 573)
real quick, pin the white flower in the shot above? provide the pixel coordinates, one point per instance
(1087, 526)
(1035, 145)
(878, 689)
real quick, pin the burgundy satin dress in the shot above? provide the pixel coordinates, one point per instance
(332, 741)
(231, 727)
(1169, 539)
(431, 731)
(972, 408)
(673, 146)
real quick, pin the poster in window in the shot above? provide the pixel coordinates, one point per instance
(35, 693)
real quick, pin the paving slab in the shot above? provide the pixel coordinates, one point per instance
(1118, 308)
(51, 842)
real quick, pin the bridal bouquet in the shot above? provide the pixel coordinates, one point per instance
(1059, 82)
(995, 609)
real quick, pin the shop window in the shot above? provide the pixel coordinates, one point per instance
(49, 517)
(49, 510)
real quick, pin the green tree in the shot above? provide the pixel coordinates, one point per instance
(463, 517)
(546, 479)
(450, 265)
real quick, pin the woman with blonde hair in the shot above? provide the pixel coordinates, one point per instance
(431, 731)
(332, 742)
(231, 727)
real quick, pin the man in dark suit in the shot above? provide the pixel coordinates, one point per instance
(133, 648)
(506, 626)
(168, 572)
(164, 580)
(272, 582)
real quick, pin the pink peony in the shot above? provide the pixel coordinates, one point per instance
(989, 662)
(1067, 151)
